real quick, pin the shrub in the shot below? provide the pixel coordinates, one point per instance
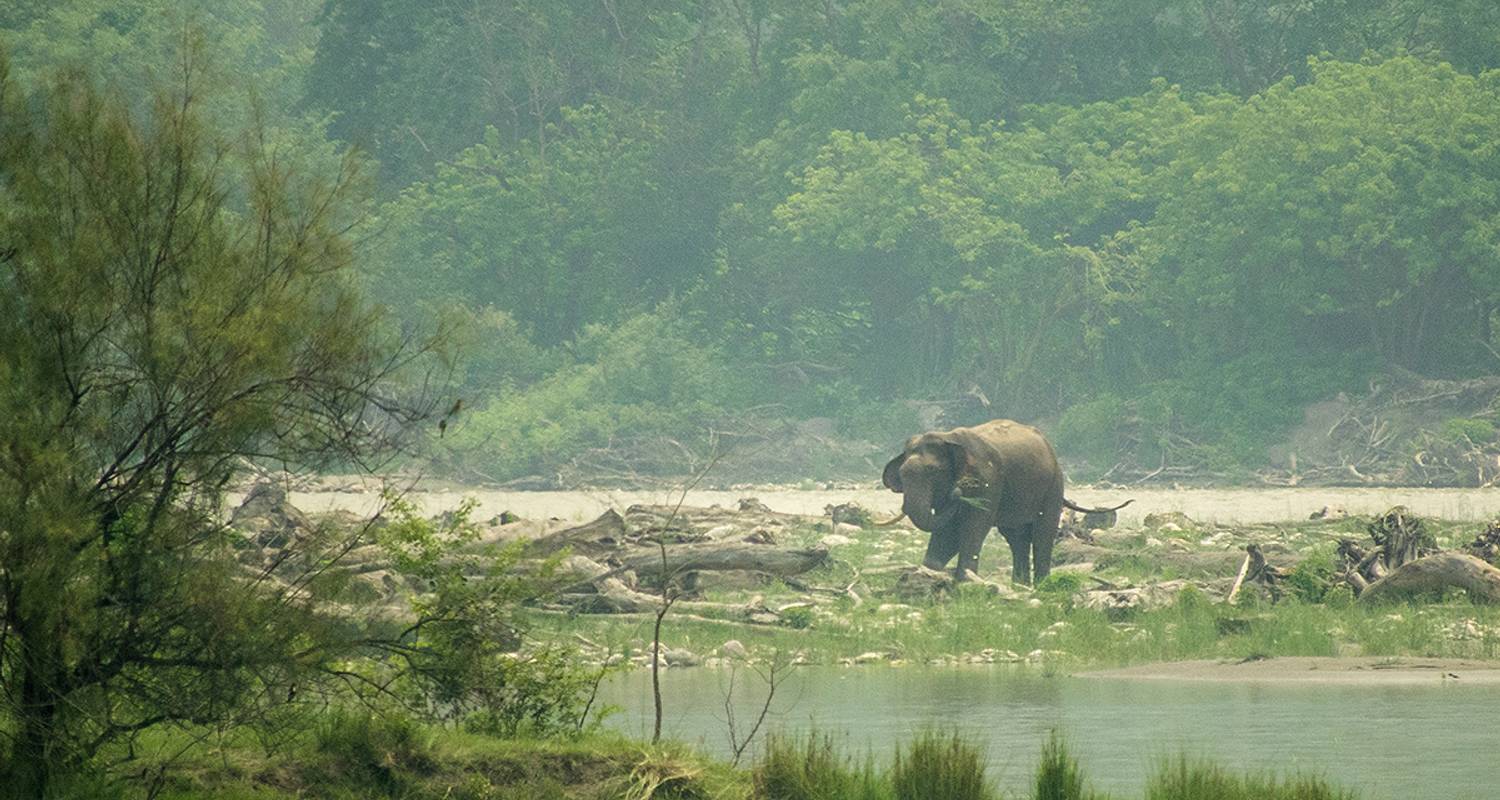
(372, 749)
(1461, 430)
(1058, 776)
(1060, 583)
(1314, 576)
(810, 768)
(1185, 780)
(1091, 429)
(801, 617)
(939, 765)
(649, 377)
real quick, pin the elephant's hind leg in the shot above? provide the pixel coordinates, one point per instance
(1019, 540)
(1043, 535)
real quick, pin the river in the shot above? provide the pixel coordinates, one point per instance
(1391, 742)
(1206, 505)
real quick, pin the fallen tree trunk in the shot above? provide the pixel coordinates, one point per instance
(602, 535)
(647, 562)
(1435, 573)
(615, 597)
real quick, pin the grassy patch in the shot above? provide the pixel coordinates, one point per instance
(1198, 780)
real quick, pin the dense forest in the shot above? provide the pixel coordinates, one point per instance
(1158, 227)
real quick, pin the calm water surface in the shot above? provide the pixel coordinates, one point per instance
(1392, 743)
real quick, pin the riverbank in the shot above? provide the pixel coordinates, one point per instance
(392, 759)
(1389, 671)
(1221, 506)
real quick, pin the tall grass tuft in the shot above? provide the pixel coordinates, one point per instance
(1198, 780)
(811, 768)
(373, 749)
(1058, 776)
(940, 765)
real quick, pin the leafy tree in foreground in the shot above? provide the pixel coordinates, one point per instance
(168, 307)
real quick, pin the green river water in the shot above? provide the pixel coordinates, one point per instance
(1389, 742)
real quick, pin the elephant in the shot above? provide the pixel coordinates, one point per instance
(960, 483)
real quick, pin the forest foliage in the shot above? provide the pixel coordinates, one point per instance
(1158, 227)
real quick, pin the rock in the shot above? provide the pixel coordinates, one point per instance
(835, 540)
(923, 582)
(1139, 598)
(754, 505)
(871, 657)
(680, 658)
(733, 649)
(267, 518)
(846, 529)
(721, 531)
(760, 536)
(1163, 518)
(849, 514)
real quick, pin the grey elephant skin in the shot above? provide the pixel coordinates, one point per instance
(961, 483)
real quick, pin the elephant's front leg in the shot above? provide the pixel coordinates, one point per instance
(941, 547)
(971, 532)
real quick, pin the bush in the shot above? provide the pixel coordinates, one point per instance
(810, 768)
(938, 765)
(543, 693)
(1058, 776)
(1314, 576)
(1092, 429)
(801, 617)
(1185, 780)
(1060, 583)
(1461, 430)
(649, 377)
(372, 749)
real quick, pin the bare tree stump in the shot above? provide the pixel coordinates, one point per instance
(1436, 573)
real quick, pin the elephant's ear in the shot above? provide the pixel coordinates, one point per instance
(960, 457)
(891, 477)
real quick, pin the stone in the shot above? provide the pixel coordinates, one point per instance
(871, 657)
(1161, 519)
(835, 540)
(267, 518)
(733, 649)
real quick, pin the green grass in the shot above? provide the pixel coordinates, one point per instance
(1198, 780)
(812, 767)
(973, 622)
(937, 765)
(1058, 776)
(349, 756)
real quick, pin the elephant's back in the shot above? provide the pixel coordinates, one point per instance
(1025, 459)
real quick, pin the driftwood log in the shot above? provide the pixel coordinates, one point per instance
(604, 534)
(719, 556)
(1433, 574)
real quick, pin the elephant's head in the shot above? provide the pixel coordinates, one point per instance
(927, 474)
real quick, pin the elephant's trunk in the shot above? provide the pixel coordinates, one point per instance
(918, 508)
(926, 514)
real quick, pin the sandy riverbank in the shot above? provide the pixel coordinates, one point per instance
(1364, 671)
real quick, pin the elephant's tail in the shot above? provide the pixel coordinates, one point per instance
(1076, 507)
